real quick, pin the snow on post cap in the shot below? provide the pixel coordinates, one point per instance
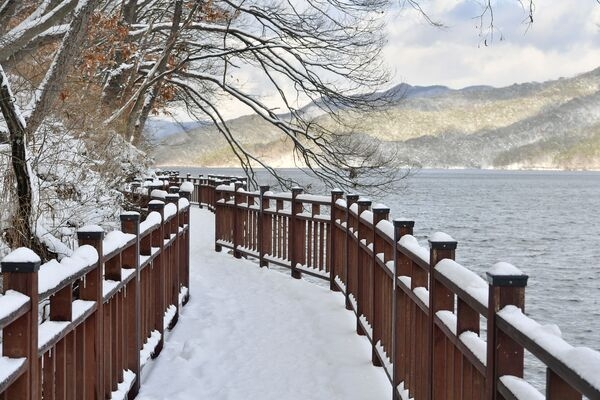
(363, 201)
(187, 187)
(158, 194)
(91, 228)
(337, 191)
(505, 274)
(404, 222)
(441, 240)
(92, 232)
(379, 206)
(21, 255)
(130, 216)
(21, 260)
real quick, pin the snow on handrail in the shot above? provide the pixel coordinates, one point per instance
(583, 361)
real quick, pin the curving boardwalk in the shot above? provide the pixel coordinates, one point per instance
(251, 333)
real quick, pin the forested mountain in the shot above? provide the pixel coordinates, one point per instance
(555, 124)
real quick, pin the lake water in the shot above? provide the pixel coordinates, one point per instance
(546, 223)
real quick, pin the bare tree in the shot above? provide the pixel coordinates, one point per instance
(323, 52)
(22, 126)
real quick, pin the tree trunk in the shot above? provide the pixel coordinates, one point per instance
(23, 234)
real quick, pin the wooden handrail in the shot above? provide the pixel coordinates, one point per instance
(420, 309)
(110, 303)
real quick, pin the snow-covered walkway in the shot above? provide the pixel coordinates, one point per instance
(253, 333)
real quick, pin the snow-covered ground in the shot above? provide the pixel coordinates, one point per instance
(251, 333)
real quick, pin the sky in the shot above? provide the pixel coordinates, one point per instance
(563, 40)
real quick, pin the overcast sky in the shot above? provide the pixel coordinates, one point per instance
(564, 40)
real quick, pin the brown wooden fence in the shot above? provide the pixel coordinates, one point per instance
(422, 312)
(109, 304)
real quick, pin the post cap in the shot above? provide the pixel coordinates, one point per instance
(264, 189)
(21, 266)
(507, 275)
(173, 189)
(337, 192)
(21, 260)
(156, 205)
(441, 240)
(363, 201)
(403, 223)
(380, 209)
(130, 216)
(90, 232)
(352, 197)
(296, 190)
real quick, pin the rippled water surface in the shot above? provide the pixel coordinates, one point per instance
(545, 223)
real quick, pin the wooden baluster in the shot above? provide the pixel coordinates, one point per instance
(173, 271)
(130, 223)
(265, 228)
(334, 250)
(295, 234)
(440, 298)
(91, 289)
(504, 355)
(158, 266)
(380, 213)
(400, 323)
(350, 199)
(361, 269)
(238, 220)
(558, 389)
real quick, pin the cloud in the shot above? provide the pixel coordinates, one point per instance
(563, 40)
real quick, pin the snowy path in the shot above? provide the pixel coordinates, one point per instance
(251, 333)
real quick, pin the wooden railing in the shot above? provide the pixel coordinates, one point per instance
(110, 303)
(421, 311)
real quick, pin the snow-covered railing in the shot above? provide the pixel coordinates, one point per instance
(107, 307)
(421, 310)
(286, 229)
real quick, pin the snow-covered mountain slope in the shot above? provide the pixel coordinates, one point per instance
(555, 124)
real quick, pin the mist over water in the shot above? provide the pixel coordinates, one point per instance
(547, 223)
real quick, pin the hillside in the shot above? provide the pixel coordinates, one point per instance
(555, 124)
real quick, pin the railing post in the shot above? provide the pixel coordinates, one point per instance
(91, 289)
(158, 265)
(185, 248)
(504, 356)
(380, 213)
(401, 264)
(173, 228)
(20, 339)
(363, 205)
(441, 247)
(294, 233)
(264, 228)
(238, 220)
(350, 199)
(130, 223)
(336, 195)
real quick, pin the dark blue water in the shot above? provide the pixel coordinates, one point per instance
(545, 223)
